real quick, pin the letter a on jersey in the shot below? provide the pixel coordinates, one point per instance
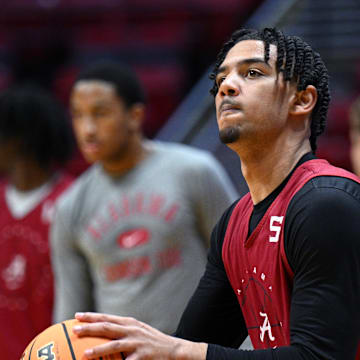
(266, 327)
(46, 353)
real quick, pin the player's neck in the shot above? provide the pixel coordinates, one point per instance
(130, 158)
(26, 175)
(265, 171)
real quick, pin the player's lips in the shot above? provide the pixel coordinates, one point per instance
(229, 107)
(90, 147)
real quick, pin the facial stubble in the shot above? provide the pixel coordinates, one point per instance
(229, 135)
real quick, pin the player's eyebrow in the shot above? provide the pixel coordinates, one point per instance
(99, 104)
(102, 103)
(245, 62)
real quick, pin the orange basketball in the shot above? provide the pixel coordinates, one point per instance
(58, 342)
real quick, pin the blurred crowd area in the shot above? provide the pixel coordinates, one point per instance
(168, 43)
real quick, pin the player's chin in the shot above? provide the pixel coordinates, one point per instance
(91, 157)
(229, 134)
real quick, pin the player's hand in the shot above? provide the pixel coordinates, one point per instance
(135, 339)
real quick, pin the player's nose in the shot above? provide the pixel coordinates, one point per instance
(88, 125)
(230, 86)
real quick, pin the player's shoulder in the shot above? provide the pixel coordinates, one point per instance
(78, 188)
(327, 191)
(333, 185)
(64, 179)
(184, 155)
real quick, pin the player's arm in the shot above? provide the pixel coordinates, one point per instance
(73, 285)
(323, 232)
(324, 251)
(323, 248)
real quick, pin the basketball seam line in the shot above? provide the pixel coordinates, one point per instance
(31, 349)
(68, 341)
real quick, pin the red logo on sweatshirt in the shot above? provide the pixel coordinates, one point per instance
(133, 238)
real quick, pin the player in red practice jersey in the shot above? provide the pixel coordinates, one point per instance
(35, 138)
(284, 262)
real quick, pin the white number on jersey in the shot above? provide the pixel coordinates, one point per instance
(275, 228)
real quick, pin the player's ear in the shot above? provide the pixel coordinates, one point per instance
(137, 116)
(304, 101)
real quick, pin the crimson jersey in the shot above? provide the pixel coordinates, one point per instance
(26, 281)
(260, 274)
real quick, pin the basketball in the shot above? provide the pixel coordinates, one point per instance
(58, 342)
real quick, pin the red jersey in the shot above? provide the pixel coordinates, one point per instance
(259, 273)
(26, 282)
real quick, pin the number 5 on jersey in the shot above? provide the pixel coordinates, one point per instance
(275, 226)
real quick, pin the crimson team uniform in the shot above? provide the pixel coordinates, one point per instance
(279, 272)
(26, 282)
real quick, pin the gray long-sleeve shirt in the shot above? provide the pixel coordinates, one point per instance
(135, 245)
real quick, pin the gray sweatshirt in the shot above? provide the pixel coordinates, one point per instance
(135, 245)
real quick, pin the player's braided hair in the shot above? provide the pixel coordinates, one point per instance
(298, 62)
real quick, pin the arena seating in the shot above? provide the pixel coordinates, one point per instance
(170, 44)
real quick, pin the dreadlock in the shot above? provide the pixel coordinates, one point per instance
(297, 61)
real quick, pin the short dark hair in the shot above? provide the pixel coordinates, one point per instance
(32, 115)
(125, 80)
(298, 62)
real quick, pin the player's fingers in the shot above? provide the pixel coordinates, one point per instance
(92, 317)
(103, 329)
(110, 348)
(133, 356)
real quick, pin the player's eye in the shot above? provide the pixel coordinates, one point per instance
(219, 80)
(75, 114)
(251, 73)
(100, 112)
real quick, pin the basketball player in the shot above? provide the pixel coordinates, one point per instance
(131, 235)
(35, 138)
(355, 135)
(284, 263)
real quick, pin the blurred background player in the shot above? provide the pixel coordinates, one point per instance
(355, 136)
(35, 138)
(131, 236)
